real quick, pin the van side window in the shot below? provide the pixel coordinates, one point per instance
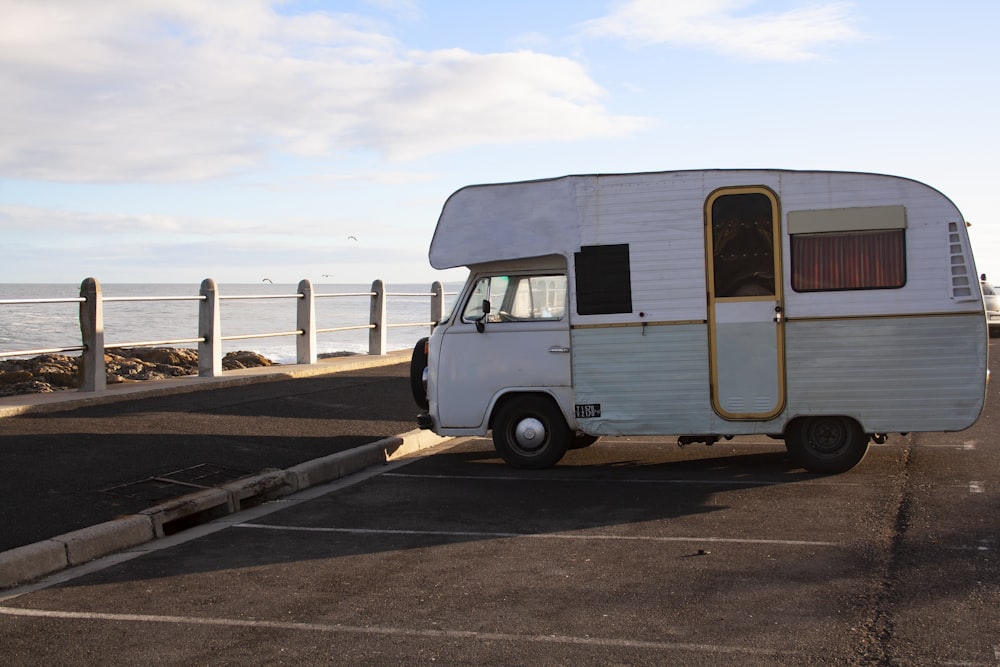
(518, 298)
(869, 259)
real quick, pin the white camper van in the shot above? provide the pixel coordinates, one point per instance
(825, 308)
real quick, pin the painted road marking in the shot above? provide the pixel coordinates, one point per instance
(743, 481)
(547, 536)
(608, 642)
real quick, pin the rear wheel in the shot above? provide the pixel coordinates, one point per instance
(530, 432)
(826, 444)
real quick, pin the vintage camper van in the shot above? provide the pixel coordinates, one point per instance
(827, 309)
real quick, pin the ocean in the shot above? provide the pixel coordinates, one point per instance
(44, 326)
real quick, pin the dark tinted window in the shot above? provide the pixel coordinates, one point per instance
(603, 280)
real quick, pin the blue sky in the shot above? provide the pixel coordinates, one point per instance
(176, 140)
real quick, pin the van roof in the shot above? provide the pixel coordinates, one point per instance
(504, 221)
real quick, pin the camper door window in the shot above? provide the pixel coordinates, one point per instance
(743, 245)
(517, 299)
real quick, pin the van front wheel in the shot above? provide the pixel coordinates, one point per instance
(826, 444)
(530, 432)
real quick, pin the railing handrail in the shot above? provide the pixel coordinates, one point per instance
(92, 300)
(47, 350)
(238, 297)
(196, 297)
(355, 327)
(336, 294)
(17, 302)
(153, 343)
(273, 334)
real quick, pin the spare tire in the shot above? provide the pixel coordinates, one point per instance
(418, 363)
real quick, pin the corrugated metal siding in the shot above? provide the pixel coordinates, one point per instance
(892, 374)
(652, 383)
(927, 245)
(660, 217)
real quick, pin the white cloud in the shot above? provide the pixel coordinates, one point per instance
(722, 26)
(25, 220)
(174, 90)
(382, 177)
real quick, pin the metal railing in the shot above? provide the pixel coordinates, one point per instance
(93, 345)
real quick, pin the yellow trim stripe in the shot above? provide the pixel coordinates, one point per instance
(833, 318)
(824, 318)
(616, 325)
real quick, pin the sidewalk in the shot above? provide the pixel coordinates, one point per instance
(89, 474)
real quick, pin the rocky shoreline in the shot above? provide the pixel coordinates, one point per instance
(56, 372)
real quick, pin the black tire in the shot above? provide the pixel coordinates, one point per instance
(418, 362)
(581, 440)
(826, 444)
(530, 432)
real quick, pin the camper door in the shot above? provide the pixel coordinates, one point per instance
(512, 334)
(746, 311)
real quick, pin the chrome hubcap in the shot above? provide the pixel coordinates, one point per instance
(529, 433)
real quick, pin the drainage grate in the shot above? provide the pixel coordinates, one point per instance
(178, 482)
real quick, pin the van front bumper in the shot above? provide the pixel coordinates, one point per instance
(425, 421)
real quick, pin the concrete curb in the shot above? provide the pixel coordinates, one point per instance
(33, 561)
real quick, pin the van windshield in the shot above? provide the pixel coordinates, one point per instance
(517, 298)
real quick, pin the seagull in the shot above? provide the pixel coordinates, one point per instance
(353, 237)
(267, 280)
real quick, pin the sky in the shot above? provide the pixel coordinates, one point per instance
(168, 141)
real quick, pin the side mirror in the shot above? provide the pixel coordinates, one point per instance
(481, 322)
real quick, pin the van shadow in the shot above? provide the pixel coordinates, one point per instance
(65, 481)
(464, 496)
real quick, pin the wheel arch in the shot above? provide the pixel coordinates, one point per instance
(510, 394)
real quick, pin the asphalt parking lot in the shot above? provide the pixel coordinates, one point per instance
(632, 551)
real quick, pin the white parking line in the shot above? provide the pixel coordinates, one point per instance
(546, 536)
(608, 642)
(743, 481)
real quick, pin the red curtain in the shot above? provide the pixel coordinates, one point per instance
(855, 260)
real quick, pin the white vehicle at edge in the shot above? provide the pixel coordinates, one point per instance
(828, 309)
(992, 302)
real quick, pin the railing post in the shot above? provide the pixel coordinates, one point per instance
(210, 330)
(305, 342)
(93, 376)
(437, 303)
(376, 335)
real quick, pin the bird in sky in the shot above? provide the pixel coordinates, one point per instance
(353, 237)
(267, 280)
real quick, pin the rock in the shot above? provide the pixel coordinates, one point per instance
(243, 359)
(167, 356)
(53, 372)
(15, 377)
(42, 374)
